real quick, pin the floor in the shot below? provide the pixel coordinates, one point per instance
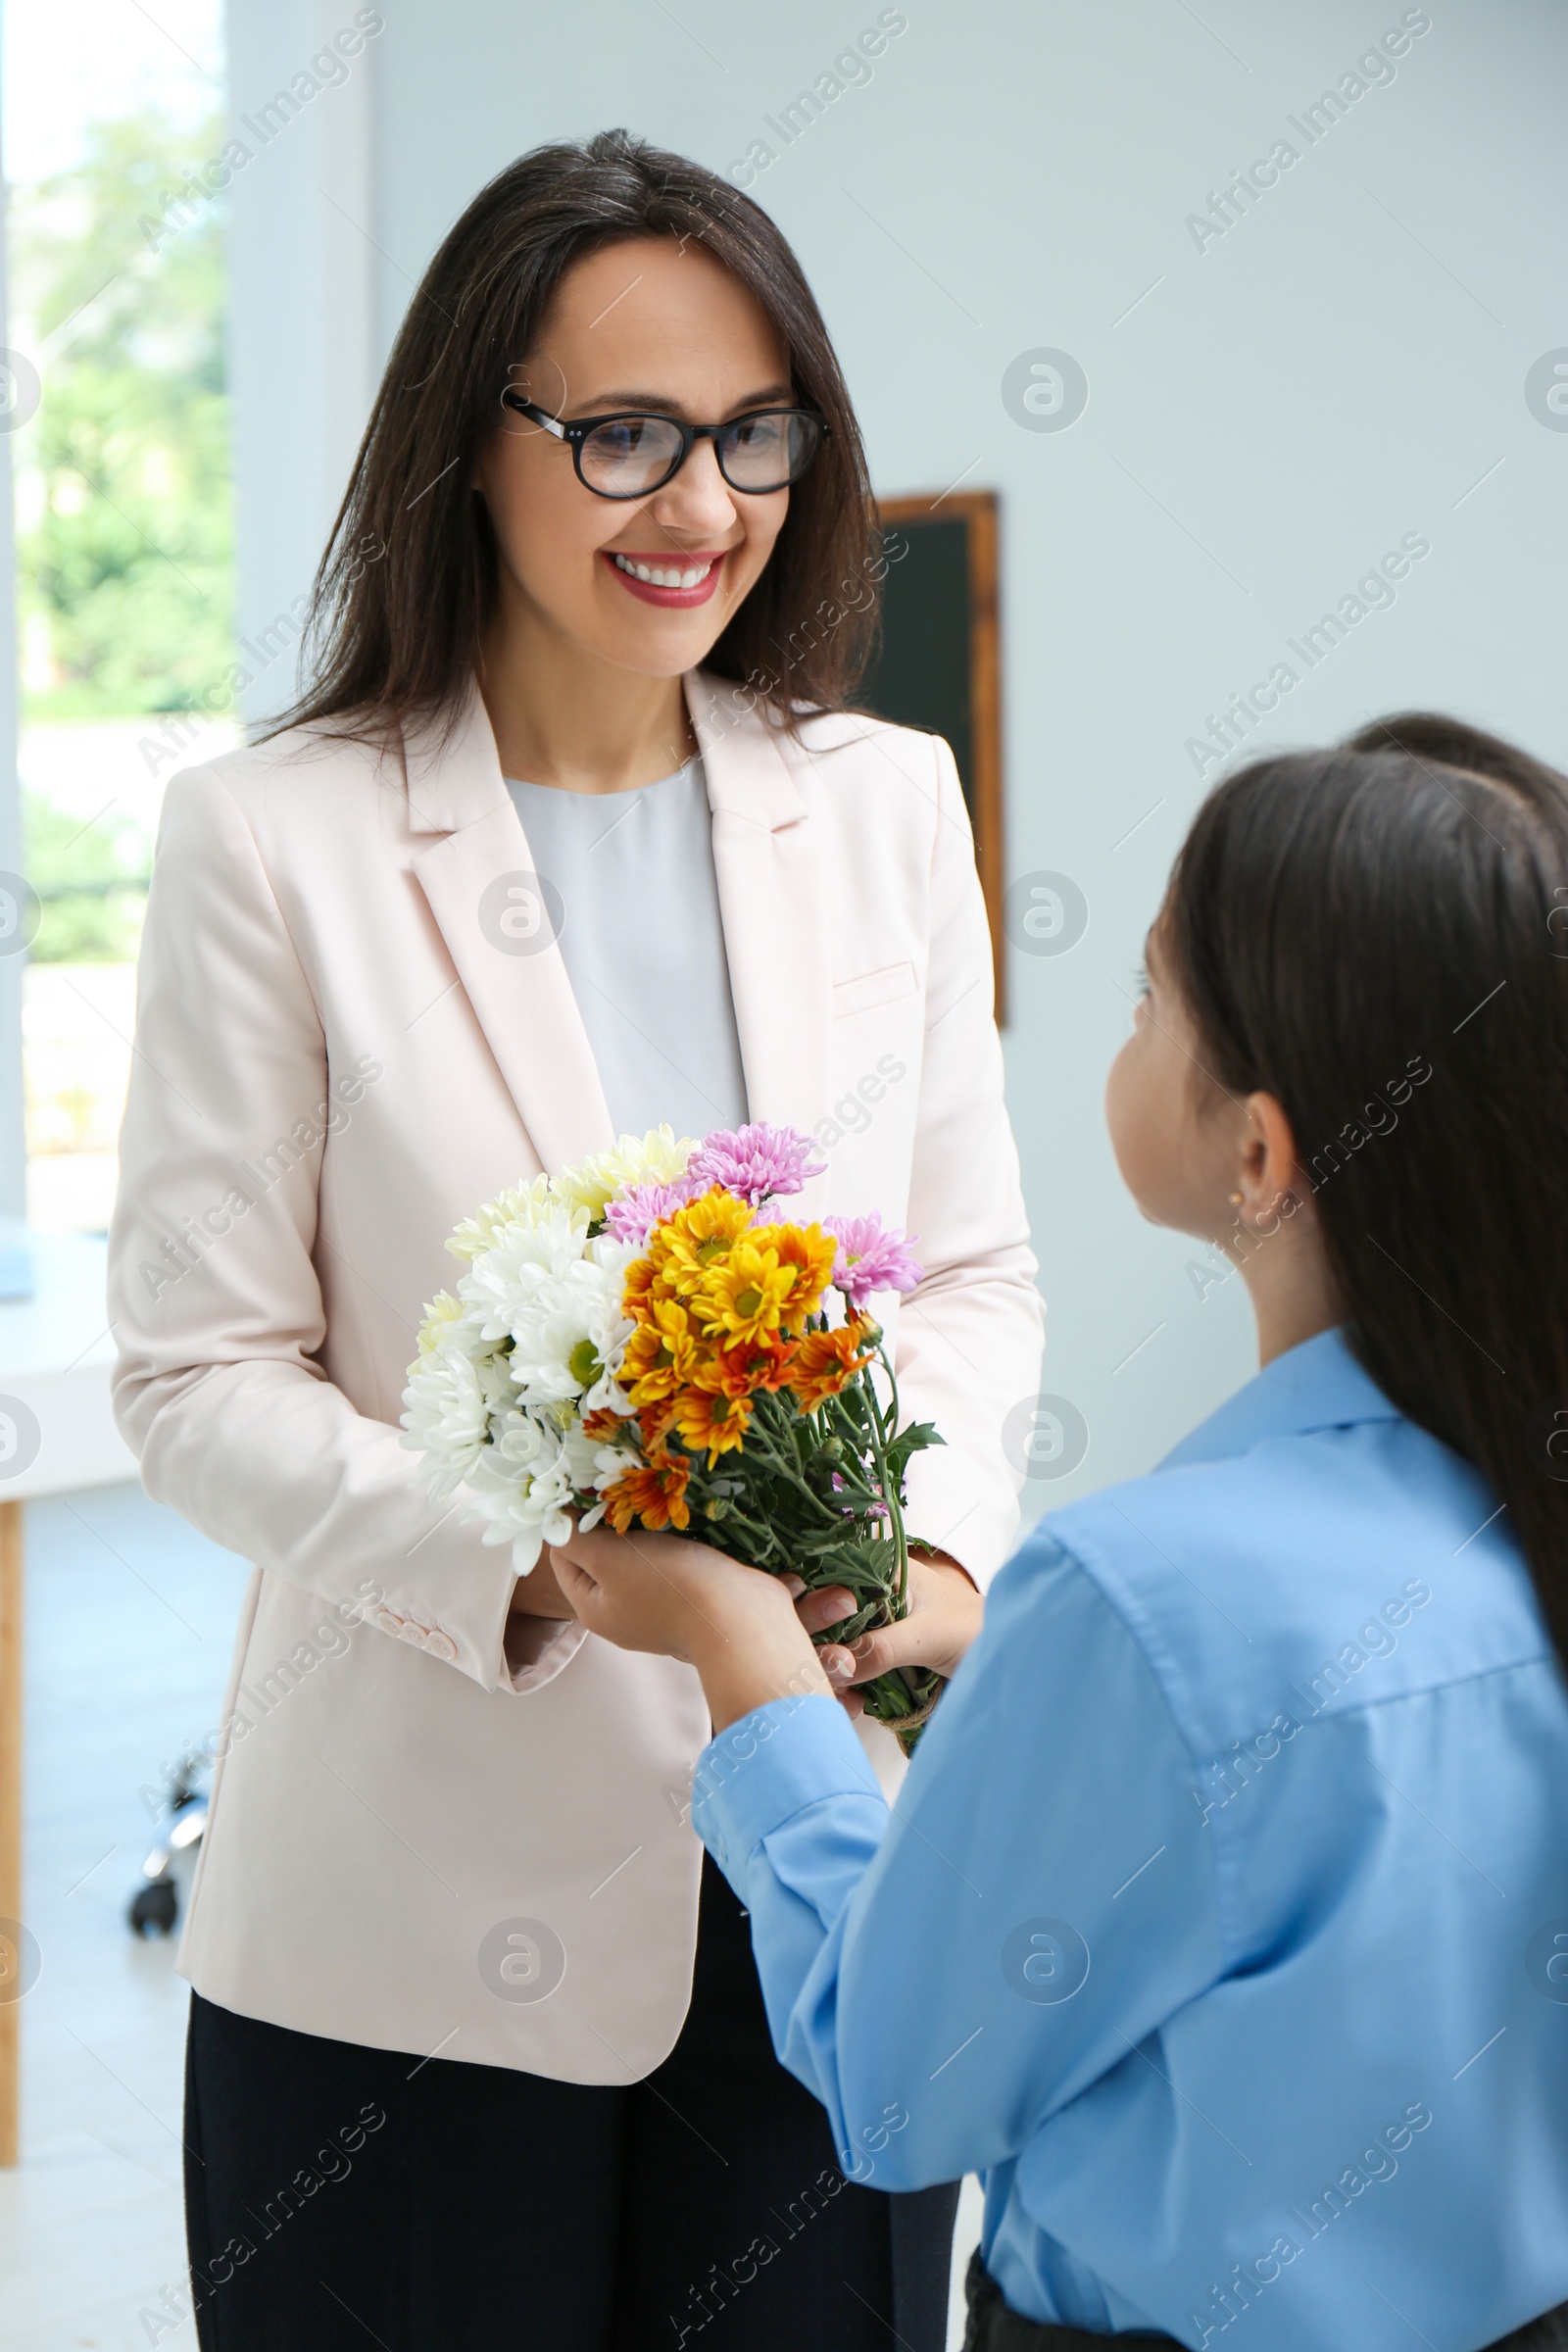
(129, 1619)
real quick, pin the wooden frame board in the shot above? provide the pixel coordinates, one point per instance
(978, 744)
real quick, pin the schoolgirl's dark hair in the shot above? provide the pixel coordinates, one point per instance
(1377, 936)
(409, 577)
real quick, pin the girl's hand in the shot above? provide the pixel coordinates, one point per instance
(946, 1613)
(736, 1625)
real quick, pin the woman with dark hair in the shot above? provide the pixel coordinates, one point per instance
(572, 833)
(1223, 1921)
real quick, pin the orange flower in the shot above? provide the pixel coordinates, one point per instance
(655, 1496)
(828, 1362)
(654, 1423)
(604, 1427)
(741, 1371)
(813, 1254)
(716, 1423)
(642, 1286)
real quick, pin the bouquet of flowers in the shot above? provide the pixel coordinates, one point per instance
(648, 1339)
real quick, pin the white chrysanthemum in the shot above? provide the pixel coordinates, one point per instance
(582, 1456)
(442, 1312)
(564, 1318)
(520, 1205)
(503, 1281)
(522, 1489)
(533, 1340)
(448, 1402)
(657, 1157)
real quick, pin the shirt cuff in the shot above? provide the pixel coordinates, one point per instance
(770, 1765)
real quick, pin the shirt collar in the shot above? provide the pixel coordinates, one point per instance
(1318, 1385)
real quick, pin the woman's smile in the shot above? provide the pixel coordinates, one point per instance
(689, 579)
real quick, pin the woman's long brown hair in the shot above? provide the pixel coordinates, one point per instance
(408, 581)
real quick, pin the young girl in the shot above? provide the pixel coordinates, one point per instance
(1222, 1922)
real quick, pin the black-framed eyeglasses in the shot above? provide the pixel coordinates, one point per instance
(628, 456)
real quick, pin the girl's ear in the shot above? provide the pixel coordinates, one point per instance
(1268, 1169)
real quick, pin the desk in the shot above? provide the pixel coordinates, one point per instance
(57, 1435)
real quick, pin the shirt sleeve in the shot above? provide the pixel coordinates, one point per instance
(945, 1977)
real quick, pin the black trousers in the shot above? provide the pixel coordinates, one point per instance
(338, 2196)
(995, 2327)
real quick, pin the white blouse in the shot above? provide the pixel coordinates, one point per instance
(639, 927)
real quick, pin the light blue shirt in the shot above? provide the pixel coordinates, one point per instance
(642, 936)
(1221, 1923)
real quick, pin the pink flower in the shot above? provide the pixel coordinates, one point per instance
(872, 1260)
(633, 1215)
(756, 1161)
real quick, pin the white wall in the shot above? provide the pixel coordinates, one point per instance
(1340, 368)
(302, 346)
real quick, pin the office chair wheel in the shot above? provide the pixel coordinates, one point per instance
(153, 1907)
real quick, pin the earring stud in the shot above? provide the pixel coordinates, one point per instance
(1235, 1199)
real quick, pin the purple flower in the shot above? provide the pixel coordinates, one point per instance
(633, 1215)
(756, 1161)
(872, 1260)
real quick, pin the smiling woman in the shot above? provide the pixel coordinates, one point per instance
(563, 844)
(567, 274)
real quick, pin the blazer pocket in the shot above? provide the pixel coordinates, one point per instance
(869, 990)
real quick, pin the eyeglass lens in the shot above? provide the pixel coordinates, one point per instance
(631, 454)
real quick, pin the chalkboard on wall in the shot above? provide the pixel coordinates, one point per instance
(940, 662)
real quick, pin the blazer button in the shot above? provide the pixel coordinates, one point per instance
(441, 1645)
(389, 1621)
(408, 1631)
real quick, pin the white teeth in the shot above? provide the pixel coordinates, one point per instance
(662, 577)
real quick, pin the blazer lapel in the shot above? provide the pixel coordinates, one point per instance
(767, 856)
(477, 875)
(478, 878)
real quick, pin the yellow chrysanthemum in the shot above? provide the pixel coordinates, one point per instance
(696, 1239)
(659, 1356)
(745, 1296)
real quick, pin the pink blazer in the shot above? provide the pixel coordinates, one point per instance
(339, 1054)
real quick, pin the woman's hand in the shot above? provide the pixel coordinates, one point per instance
(736, 1625)
(946, 1613)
